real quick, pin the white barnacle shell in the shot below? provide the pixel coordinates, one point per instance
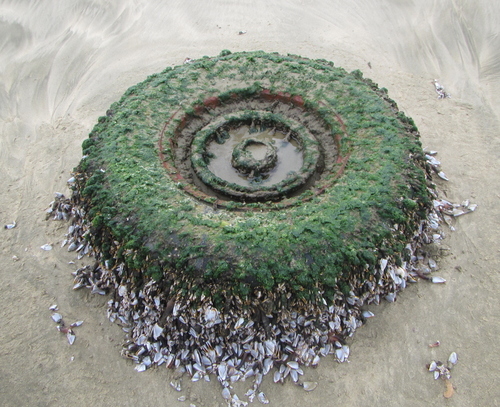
(342, 353)
(196, 376)
(158, 358)
(270, 347)
(122, 290)
(222, 371)
(57, 317)
(211, 315)
(309, 386)
(453, 359)
(72, 247)
(157, 331)
(176, 385)
(226, 393)
(315, 361)
(442, 175)
(239, 323)
(11, 225)
(262, 398)
(438, 280)
(71, 337)
(268, 364)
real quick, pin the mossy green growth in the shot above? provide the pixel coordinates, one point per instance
(141, 216)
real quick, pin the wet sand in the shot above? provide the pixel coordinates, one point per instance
(62, 64)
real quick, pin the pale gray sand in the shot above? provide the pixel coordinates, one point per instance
(63, 63)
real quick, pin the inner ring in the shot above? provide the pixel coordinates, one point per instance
(221, 155)
(254, 158)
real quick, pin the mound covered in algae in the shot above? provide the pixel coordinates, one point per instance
(154, 205)
(243, 208)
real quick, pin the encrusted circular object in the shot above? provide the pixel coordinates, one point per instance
(171, 193)
(243, 208)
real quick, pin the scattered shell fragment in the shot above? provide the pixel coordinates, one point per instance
(453, 359)
(442, 175)
(442, 94)
(71, 337)
(182, 398)
(11, 225)
(368, 314)
(262, 398)
(435, 344)
(242, 32)
(438, 280)
(226, 393)
(176, 385)
(57, 317)
(309, 386)
(342, 353)
(53, 307)
(76, 324)
(432, 366)
(46, 247)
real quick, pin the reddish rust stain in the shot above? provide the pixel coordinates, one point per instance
(267, 95)
(199, 109)
(284, 97)
(298, 101)
(212, 102)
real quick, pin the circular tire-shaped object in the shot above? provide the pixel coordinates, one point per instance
(352, 188)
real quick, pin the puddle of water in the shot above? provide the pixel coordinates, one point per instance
(289, 156)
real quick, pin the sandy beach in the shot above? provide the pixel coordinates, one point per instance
(62, 64)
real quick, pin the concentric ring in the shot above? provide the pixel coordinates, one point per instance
(307, 147)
